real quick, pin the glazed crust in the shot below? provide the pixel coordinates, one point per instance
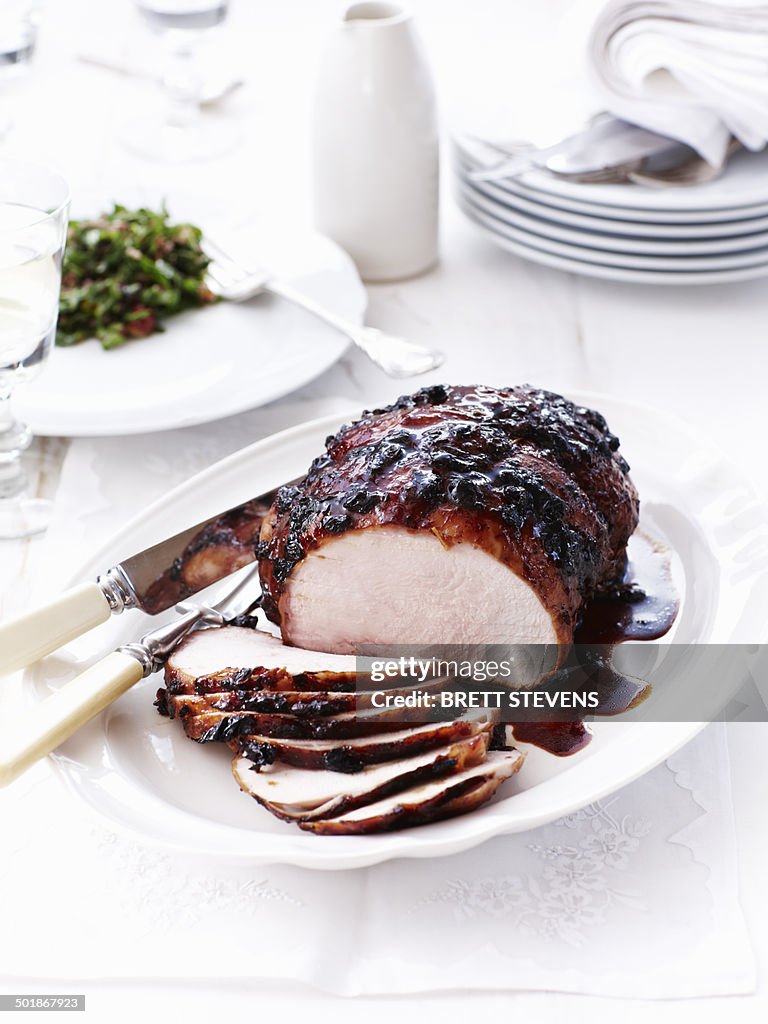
(534, 480)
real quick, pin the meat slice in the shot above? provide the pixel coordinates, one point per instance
(295, 794)
(206, 726)
(312, 704)
(353, 755)
(238, 658)
(454, 795)
(302, 703)
(457, 515)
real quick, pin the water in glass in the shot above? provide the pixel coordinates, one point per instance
(30, 268)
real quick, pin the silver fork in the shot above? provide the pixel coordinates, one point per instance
(395, 356)
(46, 725)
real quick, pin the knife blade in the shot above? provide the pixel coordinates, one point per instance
(152, 581)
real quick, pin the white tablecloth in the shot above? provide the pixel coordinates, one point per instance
(632, 896)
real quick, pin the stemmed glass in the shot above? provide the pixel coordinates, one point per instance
(18, 35)
(180, 131)
(34, 205)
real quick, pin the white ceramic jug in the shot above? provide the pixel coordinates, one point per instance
(375, 144)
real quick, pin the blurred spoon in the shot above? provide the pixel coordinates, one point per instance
(214, 90)
(694, 171)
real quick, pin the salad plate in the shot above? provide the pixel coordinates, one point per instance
(209, 363)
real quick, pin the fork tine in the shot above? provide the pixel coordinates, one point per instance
(214, 251)
(241, 599)
(238, 289)
(228, 275)
(230, 601)
(214, 271)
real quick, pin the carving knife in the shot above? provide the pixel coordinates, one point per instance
(152, 580)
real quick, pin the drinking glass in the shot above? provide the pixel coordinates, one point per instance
(180, 131)
(34, 204)
(18, 37)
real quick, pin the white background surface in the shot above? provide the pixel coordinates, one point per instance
(700, 354)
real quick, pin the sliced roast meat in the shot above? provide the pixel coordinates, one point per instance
(303, 704)
(238, 658)
(446, 798)
(314, 704)
(456, 515)
(400, 567)
(296, 794)
(206, 726)
(355, 754)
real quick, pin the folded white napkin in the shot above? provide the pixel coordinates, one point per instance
(695, 70)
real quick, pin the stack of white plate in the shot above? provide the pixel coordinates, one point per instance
(699, 234)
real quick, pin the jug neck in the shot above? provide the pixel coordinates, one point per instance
(376, 15)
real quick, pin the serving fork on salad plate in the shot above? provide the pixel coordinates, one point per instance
(397, 357)
(47, 724)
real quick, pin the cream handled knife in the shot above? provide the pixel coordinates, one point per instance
(152, 581)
